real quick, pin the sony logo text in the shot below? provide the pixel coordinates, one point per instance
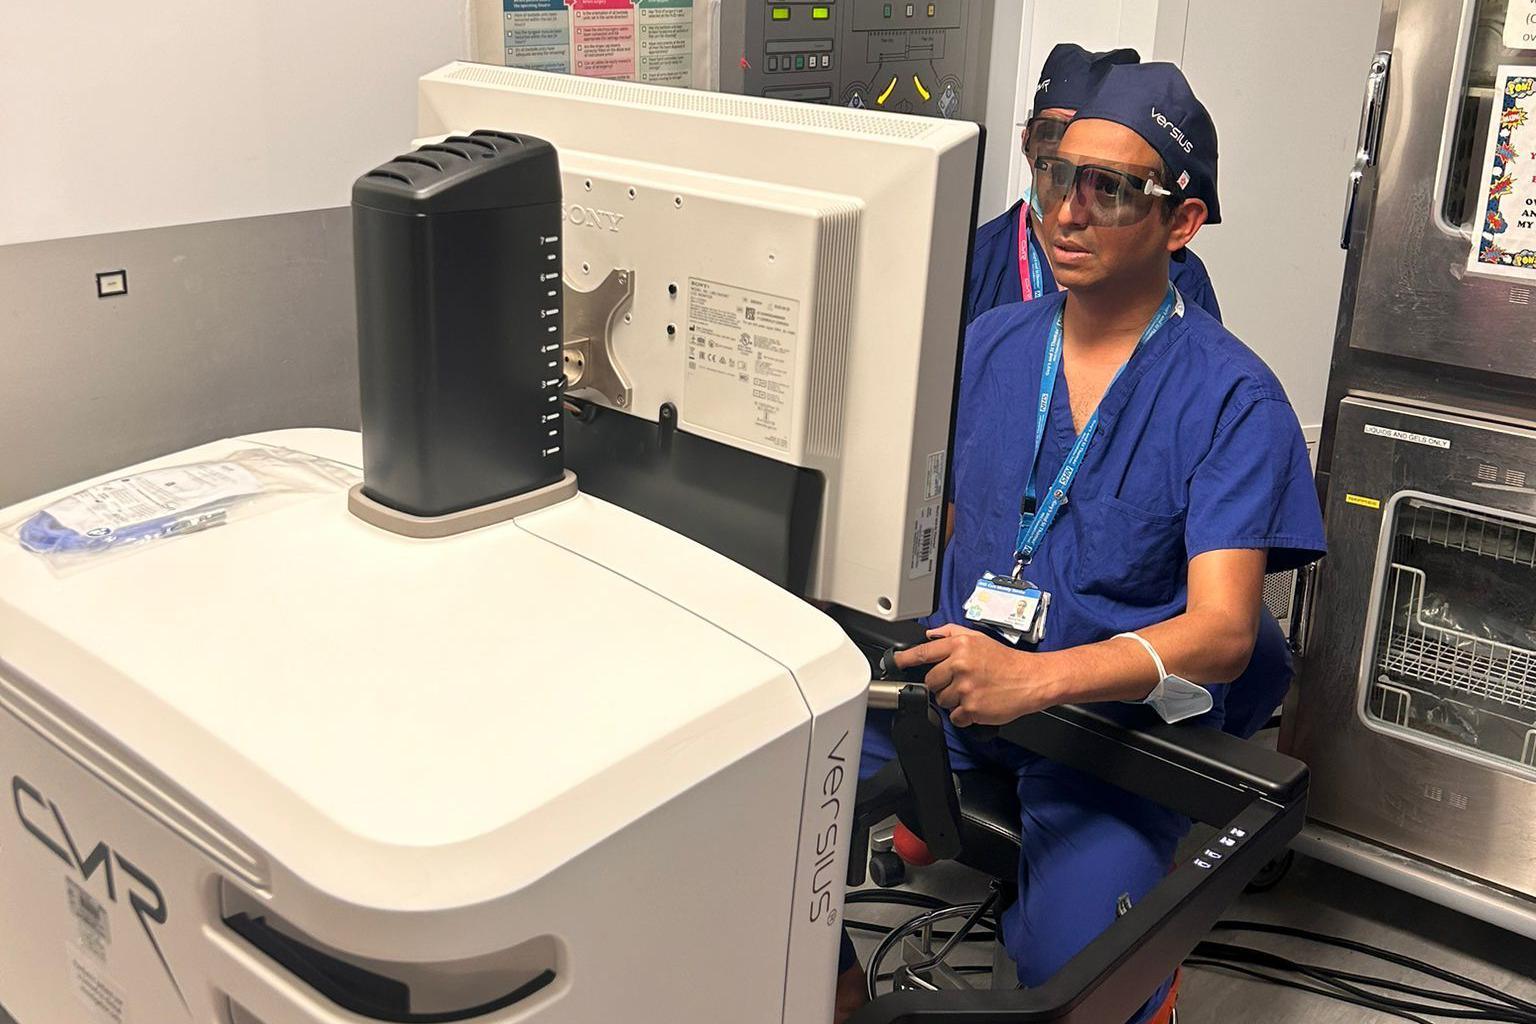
(591, 217)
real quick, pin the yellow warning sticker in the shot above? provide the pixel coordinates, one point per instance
(1355, 499)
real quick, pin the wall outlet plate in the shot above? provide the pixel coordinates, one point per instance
(110, 283)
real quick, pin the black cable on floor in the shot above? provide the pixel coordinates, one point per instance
(1378, 953)
(1346, 985)
(1467, 1008)
(912, 927)
(902, 897)
(883, 929)
(1332, 975)
(966, 969)
(1398, 986)
(907, 898)
(1222, 965)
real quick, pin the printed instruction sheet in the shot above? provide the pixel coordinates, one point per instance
(661, 42)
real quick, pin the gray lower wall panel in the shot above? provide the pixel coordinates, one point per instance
(228, 327)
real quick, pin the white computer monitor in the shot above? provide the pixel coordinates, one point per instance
(797, 276)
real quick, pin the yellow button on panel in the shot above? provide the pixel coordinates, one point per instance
(820, 13)
(781, 14)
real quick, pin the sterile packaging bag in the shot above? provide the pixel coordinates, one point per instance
(124, 514)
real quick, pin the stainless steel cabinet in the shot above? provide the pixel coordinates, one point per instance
(1416, 699)
(1415, 297)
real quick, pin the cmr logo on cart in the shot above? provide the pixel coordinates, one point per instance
(591, 217)
(824, 875)
(1173, 130)
(144, 896)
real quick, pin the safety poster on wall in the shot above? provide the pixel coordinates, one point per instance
(1505, 243)
(657, 41)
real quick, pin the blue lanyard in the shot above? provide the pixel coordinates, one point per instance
(1035, 518)
(1031, 278)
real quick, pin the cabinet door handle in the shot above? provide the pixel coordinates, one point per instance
(1371, 111)
(1301, 608)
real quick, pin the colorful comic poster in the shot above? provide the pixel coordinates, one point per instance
(666, 42)
(603, 38)
(1505, 243)
(538, 34)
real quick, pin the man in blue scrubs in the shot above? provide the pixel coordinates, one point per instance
(1008, 263)
(1118, 449)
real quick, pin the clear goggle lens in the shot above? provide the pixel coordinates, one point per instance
(1110, 196)
(1042, 136)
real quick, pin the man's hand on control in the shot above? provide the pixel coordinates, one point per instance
(978, 679)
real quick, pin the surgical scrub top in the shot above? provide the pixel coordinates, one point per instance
(996, 281)
(1197, 450)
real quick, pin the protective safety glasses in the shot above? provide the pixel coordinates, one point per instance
(1112, 195)
(1042, 136)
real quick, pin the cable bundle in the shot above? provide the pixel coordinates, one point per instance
(1478, 1002)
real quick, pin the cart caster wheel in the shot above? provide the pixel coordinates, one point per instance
(887, 870)
(1271, 874)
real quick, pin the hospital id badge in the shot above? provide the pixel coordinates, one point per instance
(1014, 608)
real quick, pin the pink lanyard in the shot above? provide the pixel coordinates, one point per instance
(1031, 281)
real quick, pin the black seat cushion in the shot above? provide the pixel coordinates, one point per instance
(989, 823)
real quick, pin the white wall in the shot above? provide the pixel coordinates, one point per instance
(1285, 92)
(999, 173)
(208, 149)
(1284, 86)
(117, 116)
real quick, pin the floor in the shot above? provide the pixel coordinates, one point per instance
(1318, 897)
(1326, 899)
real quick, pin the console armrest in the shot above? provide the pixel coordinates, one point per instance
(1200, 772)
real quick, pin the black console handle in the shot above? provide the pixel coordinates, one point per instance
(890, 670)
(917, 732)
(927, 786)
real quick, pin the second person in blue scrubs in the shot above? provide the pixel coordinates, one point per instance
(1008, 263)
(1185, 478)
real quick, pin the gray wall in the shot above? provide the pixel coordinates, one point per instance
(228, 327)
